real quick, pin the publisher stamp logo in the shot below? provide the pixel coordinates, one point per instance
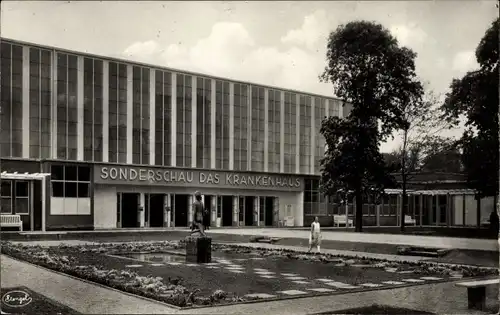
(16, 298)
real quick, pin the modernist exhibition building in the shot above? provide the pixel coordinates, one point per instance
(91, 142)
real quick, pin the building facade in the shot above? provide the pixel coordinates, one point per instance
(127, 144)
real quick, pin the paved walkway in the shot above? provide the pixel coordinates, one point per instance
(87, 298)
(376, 238)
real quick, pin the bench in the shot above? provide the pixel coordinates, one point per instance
(11, 220)
(476, 292)
(341, 219)
(410, 220)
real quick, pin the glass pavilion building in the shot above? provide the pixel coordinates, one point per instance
(123, 144)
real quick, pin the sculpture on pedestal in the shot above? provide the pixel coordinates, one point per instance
(198, 244)
(197, 227)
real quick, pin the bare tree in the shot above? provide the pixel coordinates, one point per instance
(422, 123)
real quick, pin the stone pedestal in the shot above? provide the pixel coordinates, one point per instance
(199, 249)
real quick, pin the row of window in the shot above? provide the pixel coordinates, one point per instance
(101, 80)
(14, 197)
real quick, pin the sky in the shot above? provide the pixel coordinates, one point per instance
(276, 43)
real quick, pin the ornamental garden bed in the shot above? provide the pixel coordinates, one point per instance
(125, 266)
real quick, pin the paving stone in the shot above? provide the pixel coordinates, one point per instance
(289, 274)
(211, 264)
(259, 269)
(234, 266)
(295, 278)
(212, 267)
(267, 276)
(405, 272)
(264, 272)
(174, 263)
(257, 258)
(324, 280)
(371, 285)
(321, 290)
(192, 265)
(157, 265)
(393, 282)
(236, 271)
(300, 282)
(413, 280)
(431, 278)
(133, 266)
(260, 295)
(223, 261)
(341, 285)
(292, 292)
(391, 269)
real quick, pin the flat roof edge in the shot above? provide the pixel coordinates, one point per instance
(164, 68)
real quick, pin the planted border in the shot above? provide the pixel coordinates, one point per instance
(175, 294)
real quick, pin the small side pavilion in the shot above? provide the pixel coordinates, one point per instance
(25, 194)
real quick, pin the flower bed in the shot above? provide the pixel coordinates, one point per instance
(128, 281)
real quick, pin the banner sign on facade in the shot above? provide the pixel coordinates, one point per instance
(194, 178)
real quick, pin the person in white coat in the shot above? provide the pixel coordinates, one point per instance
(315, 237)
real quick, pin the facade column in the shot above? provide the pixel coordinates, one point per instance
(463, 209)
(105, 111)
(212, 125)
(377, 210)
(152, 117)
(190, 209)
(142, 209)
(231, 126)
(438, 211)
(173, 125)
(167, 210)
(313, 134)
(266, 129)
(235, 210)
(282, 132)
(130, 113)
(213, 212)
(54, 106)
(421, 208)
(297, 134)
(26, 104)
(194, 121)
(79, 108)
(256, 207)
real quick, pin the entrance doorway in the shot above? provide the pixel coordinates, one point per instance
(180, 205)
(249, 204)
(227, 210)
(268, 211)
(154, 210)
(129, 210)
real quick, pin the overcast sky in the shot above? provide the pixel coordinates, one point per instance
(275, 43)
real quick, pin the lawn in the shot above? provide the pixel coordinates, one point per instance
(237, 273)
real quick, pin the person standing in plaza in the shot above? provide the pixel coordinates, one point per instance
(315, 236)
(198, 213)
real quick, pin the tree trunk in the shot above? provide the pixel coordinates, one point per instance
(359, 211)
(404, 202)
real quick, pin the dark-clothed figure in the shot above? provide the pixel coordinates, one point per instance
(198, 211)
(494, 224)
(206, 219)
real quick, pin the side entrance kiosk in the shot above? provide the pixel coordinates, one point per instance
(33, 179)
